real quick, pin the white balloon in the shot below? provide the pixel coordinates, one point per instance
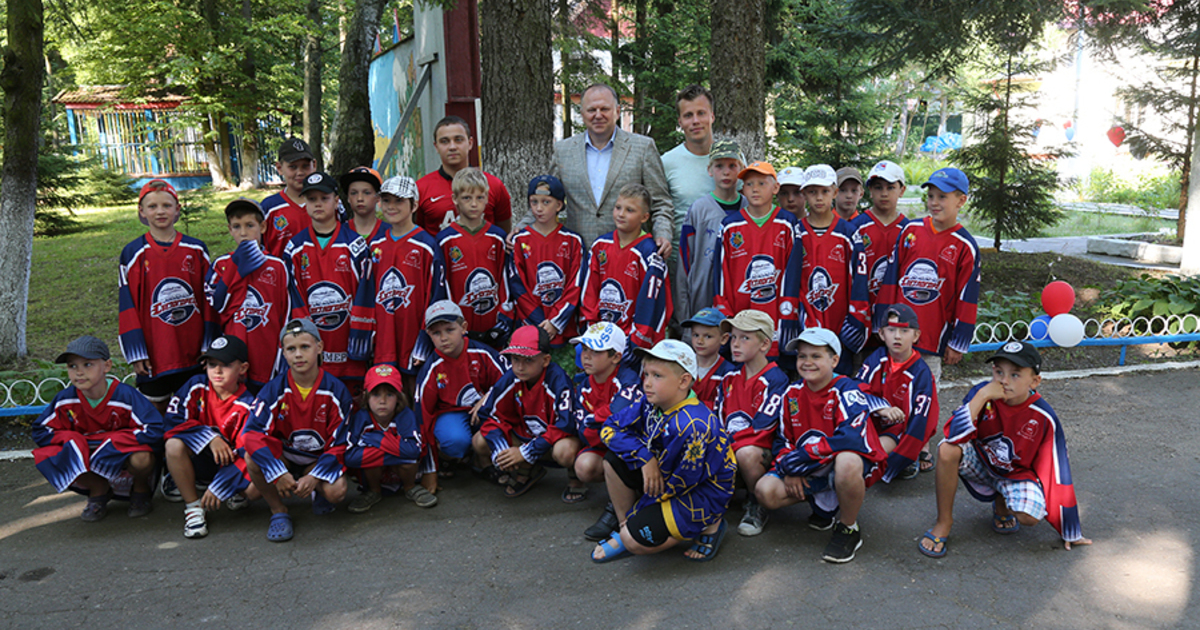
(1066, 330)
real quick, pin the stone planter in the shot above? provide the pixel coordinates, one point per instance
(1136, 250)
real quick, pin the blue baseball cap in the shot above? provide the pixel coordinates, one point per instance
(556, 187)
(948, 180)
(708, 316)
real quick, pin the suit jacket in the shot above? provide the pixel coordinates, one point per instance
(634, 160)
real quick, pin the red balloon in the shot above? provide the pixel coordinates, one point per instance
(1067, 125)
(1116, 135)
(1057, 298)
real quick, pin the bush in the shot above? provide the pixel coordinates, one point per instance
(105, 187)
(193, 204)
(918, 169)
(1148, 192)
(1149, 297)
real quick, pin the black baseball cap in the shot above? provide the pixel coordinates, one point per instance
(1021, 354)
(321, 181)
(85, 347)
(242, 204)
(294, 149)
(361, 174)
(227, 349)
(905, 316)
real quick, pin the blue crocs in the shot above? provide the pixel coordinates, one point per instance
(280, 529)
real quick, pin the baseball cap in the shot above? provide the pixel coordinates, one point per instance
(553, 183)
(294, 149)
(383, 374)
(156, 185)
(905, 316)
(227, 349)
(725, 150)
(244, 204)
(300, 326)
(528, 341)
(708, 316)
(674, 351)
(757, 167)
(820, 175)
(816, 337)
(361, 174)
(321, 181)
(85, 347)
(401, 186)
(847, 173)
(751, 320)
(603, 336)
(442, 311)
(888, 171)
(1021, 354)
(792, 176)
(949, 179)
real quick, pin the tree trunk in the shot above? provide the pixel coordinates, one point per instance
(211, 154)
(21, 79)
(518, 80)
(567, 63)
(739, 60)
(312, 83)
(903, 139)
(353, 137)
(226, 149)
(250, 154)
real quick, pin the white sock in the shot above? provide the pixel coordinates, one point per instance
(193, 504)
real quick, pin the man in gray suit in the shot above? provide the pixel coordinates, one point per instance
(594, 165)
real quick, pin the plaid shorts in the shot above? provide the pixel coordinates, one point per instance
(1021, 495)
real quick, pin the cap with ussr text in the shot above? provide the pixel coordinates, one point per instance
(603, 336)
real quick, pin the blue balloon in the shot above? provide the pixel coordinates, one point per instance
(1070, 134)
(1039, 328)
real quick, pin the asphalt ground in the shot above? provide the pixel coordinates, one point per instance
(478, 560)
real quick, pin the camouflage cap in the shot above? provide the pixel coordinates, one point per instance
(725, 150)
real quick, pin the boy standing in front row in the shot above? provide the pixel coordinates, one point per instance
(1009, 448)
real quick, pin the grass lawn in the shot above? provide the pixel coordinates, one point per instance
(1074, 223)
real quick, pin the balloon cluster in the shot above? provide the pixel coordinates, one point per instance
(1063, 328)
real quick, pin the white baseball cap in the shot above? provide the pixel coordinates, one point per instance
(603, 336)
(401, 186)
(791, 176)
(816, 337)
(442, 311)
(820, 175)
(888, 171)
(674, 351)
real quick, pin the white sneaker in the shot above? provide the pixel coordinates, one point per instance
(194, 525)
(237, 502)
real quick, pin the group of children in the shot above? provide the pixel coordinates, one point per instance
(323, 347)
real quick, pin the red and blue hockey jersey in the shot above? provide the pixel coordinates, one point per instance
(301, 429)
(197, 416)
(878, 242)
(285, 219)
(815, 426)
(254, 296)
(547, 279)
(476, 276)
(373, 444)
(377, 232)
(832, 281)
(937, 274)
(709, 383)
(164, 316)
(628, 287)
(1024, 442)
(536, 415)
(595, 402)
(327, 278)
(748, 404)
(750, 268)
(388, 317)
(73, 437)
(909, 387)
(448, 385)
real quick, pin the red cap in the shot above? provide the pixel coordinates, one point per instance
(158, 185)
(383, 374)
(528, 341)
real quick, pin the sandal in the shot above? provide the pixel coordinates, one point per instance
(614, 549)
(516, 487)
(707, 545)
(492, 474)
(936, 540)
(1005, 524)
(574, 494)
(280, 529)
(422, 497)
(925, 460)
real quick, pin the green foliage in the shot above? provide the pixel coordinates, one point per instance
(918, 169)
(106, 187)
(1149, 297)
(1009, 306)
(194, 204)
(1148, 192)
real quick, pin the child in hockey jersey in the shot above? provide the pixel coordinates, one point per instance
(528, 417)
(286, 216)
(203, 435)
(477, 262)
(897, 374)
(880, 224)
(164, 321)
(707, 338)
(361, 187)
(1009, 448)
(849, 193)
(549, 263)
(296, 438)
(670, 468)
(96, 429)
(791, 191)
(603, 388)
(384, 435)
(626, 279)
(252, 292)
(826, 450)
(748, 405)
(700, 236)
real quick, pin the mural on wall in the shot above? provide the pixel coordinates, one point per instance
(393, 79)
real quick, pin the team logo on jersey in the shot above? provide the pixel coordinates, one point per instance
(602, 258)
(761, 280)
(268, 277)
(376, 254)
(1029, 430)
(188, 264)
(737, 240)
(328, 305)
(920, 283)
(838, 254)
(342, 264)
(442, 380)
(695, 449)
(866, 239)
(280, 223)
(455, 254)
(855, 397)
(781, 239)
(394, 293)
(633, 269)
(304, 262)
(173, 301)
(827, 411)
(793, 406)
(822, 290)
(1000, 452)
(481, 295)
(307, 440)
(550, 283)
(909, 239)
(253, 312)
(877, 274)
(613, 306)
(413, 259)
(949, 253)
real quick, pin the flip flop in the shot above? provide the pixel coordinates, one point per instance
(936, 540)
(612, 551)
(926, 458)
(571, 494)
(708, 544)
(280, 529)
(517, 488)
(1005, 524)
